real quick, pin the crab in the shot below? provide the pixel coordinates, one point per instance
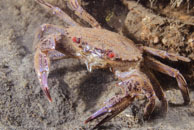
(131, 64)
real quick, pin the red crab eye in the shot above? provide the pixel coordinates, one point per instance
(76, 40)
(111, 54)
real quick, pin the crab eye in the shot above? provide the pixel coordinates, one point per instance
(111, 54)
(76, 40)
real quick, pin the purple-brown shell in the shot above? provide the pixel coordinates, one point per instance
(104, 40)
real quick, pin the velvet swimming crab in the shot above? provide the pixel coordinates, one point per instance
(100, 48)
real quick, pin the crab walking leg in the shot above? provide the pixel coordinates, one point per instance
(158, 66)
(47, 29)
(79, 11)
(112, 108)
(164, 54)
(134, 86)
(56, 55)
(57, 11)
(42, 58)
(158, 90)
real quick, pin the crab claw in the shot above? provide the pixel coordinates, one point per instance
(41, 65)
(113, 107)
(44, 85)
